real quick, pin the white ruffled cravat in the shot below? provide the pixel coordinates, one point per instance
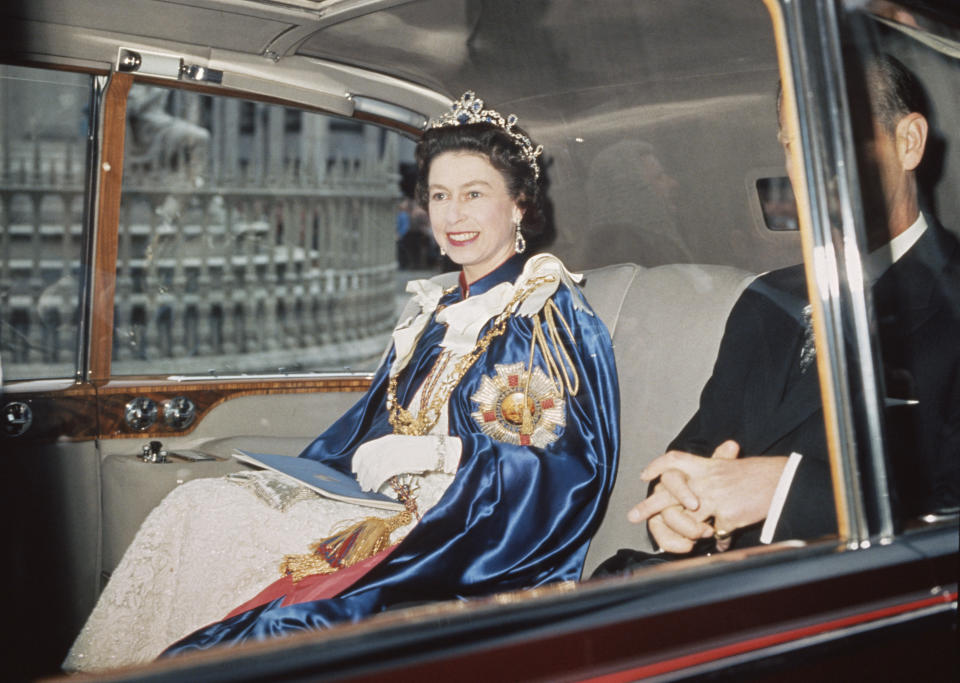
(466, 318)
(405, 335)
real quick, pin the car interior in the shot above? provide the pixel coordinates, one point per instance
(667, 189)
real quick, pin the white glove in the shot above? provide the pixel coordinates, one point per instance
(375, 462)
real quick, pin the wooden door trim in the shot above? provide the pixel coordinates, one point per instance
(110, 185)
(82, 412)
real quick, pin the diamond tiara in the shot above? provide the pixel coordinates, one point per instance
(469, 109)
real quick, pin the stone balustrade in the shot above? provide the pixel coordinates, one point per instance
(242, 267)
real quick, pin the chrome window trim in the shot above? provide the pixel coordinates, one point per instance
(98, 89)
(267, 377)
(813, 32)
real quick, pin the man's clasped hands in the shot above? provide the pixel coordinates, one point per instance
(696, 497)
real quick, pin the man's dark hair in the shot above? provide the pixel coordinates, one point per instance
(894, 91)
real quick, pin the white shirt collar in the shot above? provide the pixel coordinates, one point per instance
(877, 261)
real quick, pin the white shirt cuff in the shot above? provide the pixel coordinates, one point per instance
(779, 498)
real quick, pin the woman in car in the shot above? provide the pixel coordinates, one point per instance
(494, 418)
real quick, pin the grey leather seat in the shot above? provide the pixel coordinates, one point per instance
(666, 323)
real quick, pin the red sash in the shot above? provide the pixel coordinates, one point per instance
(315, 587)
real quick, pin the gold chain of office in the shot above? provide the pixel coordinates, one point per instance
(437, 392)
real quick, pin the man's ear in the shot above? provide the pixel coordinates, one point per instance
(912, 132)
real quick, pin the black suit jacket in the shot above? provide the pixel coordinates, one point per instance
(758, 397)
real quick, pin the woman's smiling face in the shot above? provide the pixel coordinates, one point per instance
(472, 214)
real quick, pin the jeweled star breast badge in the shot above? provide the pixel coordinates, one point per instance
(519, 407)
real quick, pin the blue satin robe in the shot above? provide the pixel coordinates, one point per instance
(514, 516)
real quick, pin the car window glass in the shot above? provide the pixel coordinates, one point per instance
(913, 278)
(777, 203)
(44, 116)
(254, 238)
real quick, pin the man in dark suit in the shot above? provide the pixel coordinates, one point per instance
(763, 398)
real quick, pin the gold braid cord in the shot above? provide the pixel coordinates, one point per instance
(558, 361)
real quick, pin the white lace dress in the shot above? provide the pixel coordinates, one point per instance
(210, 545)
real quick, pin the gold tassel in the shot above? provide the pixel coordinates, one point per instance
(354, 543)
(345, 548)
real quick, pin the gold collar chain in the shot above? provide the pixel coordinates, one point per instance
(436, 390)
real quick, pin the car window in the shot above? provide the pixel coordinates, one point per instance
(777, 203)
(911, 277)
(255, 238)
(263, 240)
(43, 151)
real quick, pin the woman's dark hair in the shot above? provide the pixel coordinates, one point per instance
(504, 155)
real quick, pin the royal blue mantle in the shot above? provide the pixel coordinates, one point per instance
(514, 516)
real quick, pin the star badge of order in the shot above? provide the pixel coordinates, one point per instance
(504, 415)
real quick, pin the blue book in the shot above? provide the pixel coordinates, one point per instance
(321, 478)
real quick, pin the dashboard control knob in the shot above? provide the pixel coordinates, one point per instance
(17, 418)
(140, 413)
(179, 412)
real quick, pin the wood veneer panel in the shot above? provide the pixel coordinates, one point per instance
(58, 415)
(71, 414)
(108, 217)
(205, 395)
